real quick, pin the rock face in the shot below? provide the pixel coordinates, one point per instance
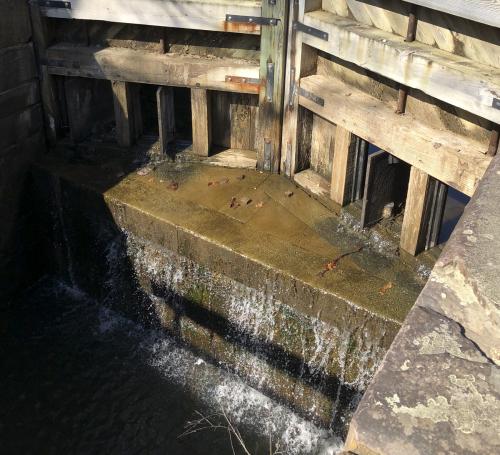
(240, 285)
(438, 389)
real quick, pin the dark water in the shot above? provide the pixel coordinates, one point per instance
(78, 378)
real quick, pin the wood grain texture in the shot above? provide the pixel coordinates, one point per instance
(456, 161)
(199, 15)
(343, 166)
(414, 228)
(273, 50)
(166, 118)
(150, 68)
(300, 61)
(202, 121)
(463, 83)
(483, 11)
(322, 146)
(18, 98)
(477, 41)
(127, 113)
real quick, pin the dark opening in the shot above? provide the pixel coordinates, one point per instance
(454, 208)
(149, 110)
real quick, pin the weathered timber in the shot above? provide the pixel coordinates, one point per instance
(150, 68)
(197, 15)
(483, 11)
(301, 61)
(447, 77)
(89, 104)
(127, 112)
(272, 76)
(19, 98)
(322, 146)
(48, 88)
(313, 182)
(14, 23)
(343, 166)
(17, 65)
(202, 121)
(19, 125)
(166, 117)
(457, 161)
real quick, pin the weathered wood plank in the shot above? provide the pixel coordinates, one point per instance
(313, 182)
(483, 11)
(166, 117)
(17, 65)
(19, 98)
(127, 112)
(48, 88)
(150, 68)
(202, 121)
(343, 166)
(447, 77)
(414, 228)
(272, 75)
(322, 146)
(300, 61)
(17, 126)
(198, 15)
(14, 23)
(89, 104)
(456, 161)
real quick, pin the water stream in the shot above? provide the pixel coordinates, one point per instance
(80, 378)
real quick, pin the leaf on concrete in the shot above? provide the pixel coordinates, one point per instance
(259, 205)
(288, 193)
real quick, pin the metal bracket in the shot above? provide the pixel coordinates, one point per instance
(496, 103)
(267, 154)
(252, 20)
(311, 96)
(300, 27)
(53, 4)
(270, 82)
(293, 88)
(243, 80)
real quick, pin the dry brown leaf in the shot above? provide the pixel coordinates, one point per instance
(259, 205)
(385, 288)
(234, 203)
(144, 171)
(174, 186)
(289, 193)
(241, 177)
(245, 200)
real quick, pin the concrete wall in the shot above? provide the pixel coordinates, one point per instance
(21, 139)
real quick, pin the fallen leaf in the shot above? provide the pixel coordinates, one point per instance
(385, 288)
(241, 177)
(174, 186)
(245, 200)
(259, 205)
(234, 203)
(213, 183)
(223, 181)
(289, 193)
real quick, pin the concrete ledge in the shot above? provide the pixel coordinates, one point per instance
(438, 388)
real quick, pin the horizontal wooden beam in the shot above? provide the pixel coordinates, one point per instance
(197, 15)
(458, 161)
(484, 11)
(451, 78)
(149, 68)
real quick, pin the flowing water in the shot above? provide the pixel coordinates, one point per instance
(77, 377)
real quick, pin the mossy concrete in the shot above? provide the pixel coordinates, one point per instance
(242, 285)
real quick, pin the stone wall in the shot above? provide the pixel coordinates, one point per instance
(21, 138)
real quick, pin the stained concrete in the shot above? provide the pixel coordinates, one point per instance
(241, 284)
(438, 389)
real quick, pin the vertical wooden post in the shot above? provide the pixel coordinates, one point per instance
(425, 204)
(272, 72)
(127, 112)
(166, 117)
(48, 88)
(202, 121)
(301, 61)
(343, 166)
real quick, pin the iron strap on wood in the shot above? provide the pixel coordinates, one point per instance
(300, 27)
(311, 96)
(53, 4)
(252, 19)
(496, 103)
